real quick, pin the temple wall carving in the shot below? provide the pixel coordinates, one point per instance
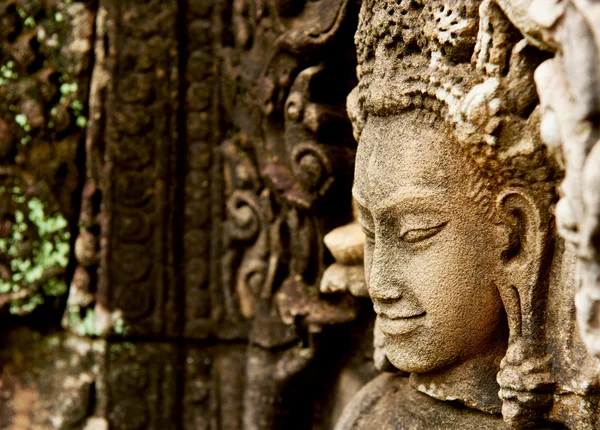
(245, 214)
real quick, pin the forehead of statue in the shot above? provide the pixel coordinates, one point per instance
(401, 152)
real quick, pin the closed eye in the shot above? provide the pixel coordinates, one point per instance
(420, 234)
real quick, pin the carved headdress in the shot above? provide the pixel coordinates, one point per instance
(438, 56)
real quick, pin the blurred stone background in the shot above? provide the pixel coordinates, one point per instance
(168, 169)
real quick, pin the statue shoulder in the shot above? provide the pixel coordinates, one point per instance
(388, 402)
(363, 402)
(369, 408)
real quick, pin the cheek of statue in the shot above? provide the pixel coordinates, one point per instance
(435, 298)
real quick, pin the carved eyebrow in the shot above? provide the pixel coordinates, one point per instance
(408, 197)
(405, 198)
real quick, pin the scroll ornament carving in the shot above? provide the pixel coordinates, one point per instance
(287, 172)
(446, 103)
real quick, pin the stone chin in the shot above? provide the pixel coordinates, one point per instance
(416, 352)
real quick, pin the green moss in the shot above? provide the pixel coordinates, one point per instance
(129, 346)
(29, 22)
(114, 350)
(76, 105)
(21, 119)
(7, 72)
(68, 88)
(38, 244)
(85, 326)
(68, 91)
(119, 325)
(21, 307)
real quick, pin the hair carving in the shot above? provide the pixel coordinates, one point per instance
(436, 76)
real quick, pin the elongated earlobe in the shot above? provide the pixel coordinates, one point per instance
(523, 285)
(522, 259)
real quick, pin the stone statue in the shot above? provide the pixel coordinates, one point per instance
(455, 193)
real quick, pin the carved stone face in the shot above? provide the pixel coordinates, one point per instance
(432, 252)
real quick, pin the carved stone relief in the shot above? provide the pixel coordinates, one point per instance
(471, 284)
(287, 181)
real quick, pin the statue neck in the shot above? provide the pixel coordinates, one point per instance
(472, 382)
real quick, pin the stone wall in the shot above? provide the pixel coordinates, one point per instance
(184, 160)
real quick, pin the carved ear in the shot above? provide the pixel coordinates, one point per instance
(522, 260)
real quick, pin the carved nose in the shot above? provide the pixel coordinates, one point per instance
(386, 293)
(384, 283)
(389, 287)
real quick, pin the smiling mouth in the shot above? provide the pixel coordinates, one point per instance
(395, 318)
(399, 326)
